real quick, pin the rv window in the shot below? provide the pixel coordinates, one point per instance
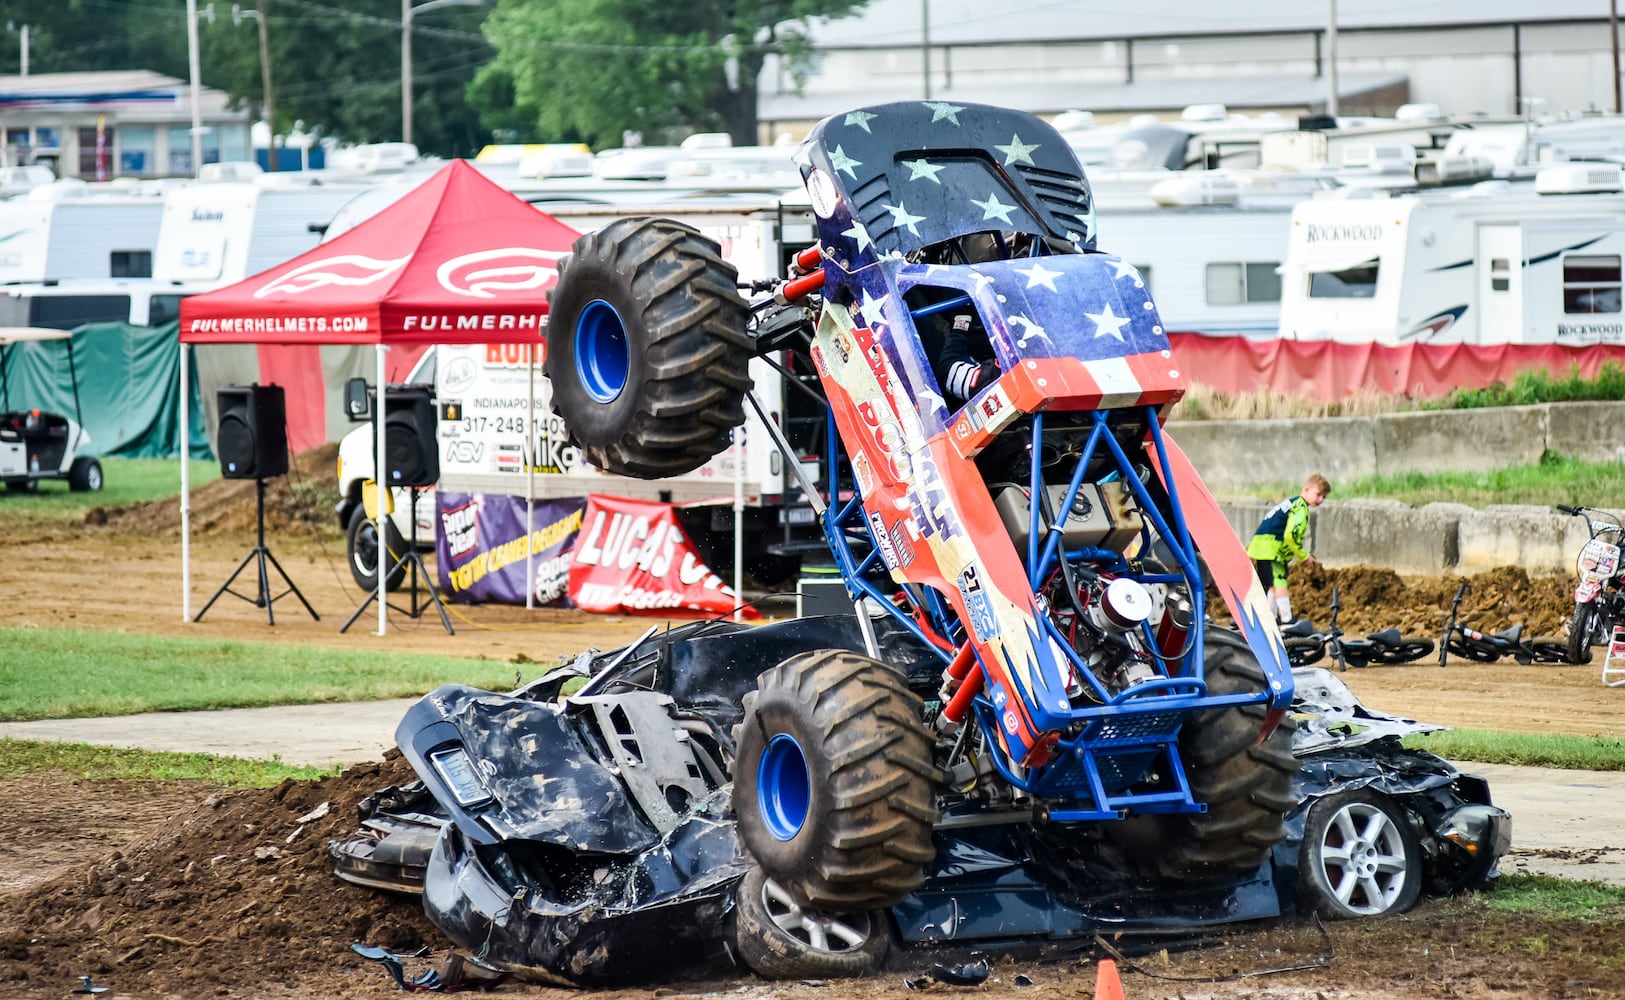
(1233, 284)
(130, 264)
(69, 312)
(163, 309)
(1500, 274)
(1591, 283)
(1352, 283)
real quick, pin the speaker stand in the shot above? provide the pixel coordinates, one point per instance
(261, 555)
(413, 562)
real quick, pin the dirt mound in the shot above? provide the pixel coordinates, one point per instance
(1375, 599)
(302, 499)
(237, 892)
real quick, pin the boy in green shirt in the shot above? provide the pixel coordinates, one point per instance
(1279, 540)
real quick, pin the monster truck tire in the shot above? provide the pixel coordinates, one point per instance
(834, 784)
(777, 939)
(646, 348)
(1246, 785)
(1581, 626)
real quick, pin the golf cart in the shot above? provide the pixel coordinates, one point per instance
(35, 444)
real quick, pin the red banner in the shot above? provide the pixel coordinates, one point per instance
(1325, 370)
(632, 555)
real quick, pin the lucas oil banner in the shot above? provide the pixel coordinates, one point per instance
(481, 547)
(632, 555)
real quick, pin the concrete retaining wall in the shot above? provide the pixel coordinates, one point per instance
(1237, 454)
(1432, 539)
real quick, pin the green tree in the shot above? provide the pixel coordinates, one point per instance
(592, 69)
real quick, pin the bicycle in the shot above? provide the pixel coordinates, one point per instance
(1305, 645)
(1484, 647)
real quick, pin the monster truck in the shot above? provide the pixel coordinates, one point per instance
(1047, 541)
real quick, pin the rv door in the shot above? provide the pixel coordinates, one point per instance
(1500, 284)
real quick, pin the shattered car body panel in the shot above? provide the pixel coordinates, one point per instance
(568, 859)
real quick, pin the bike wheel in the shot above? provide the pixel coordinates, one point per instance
(1550, 649)
(1581, 627)
(1302, 652)
(1466, 649)
(1409, 649)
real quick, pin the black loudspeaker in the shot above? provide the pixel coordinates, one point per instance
(411, 453)
(253, 438)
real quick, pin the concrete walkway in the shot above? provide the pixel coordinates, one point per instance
(1563, 822)
(313, 735)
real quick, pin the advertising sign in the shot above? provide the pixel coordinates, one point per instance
(482, 549)
(633, 555)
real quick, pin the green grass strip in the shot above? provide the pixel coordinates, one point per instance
(125, 481)
(62, 674)
(1555, 479)
(1555, 898)
(93, 763)
(1556, 750)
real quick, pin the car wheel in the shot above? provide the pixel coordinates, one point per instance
(777, 939)
(361, 546)
(1359, 857)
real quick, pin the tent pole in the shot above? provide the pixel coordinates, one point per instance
(530, 489)
(739, 522)
(379, 492)
(186, 488)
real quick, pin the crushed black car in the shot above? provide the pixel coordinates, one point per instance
(580, 828)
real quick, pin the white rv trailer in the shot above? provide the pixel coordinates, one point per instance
(216, 234)
(1499, 262)
(68, 233)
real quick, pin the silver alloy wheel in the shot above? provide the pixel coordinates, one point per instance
(819, 931)
(1363, 859)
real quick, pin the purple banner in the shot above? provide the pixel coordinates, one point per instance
(481, 548)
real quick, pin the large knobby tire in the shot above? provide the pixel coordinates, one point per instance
(1581, 627)
(1360, 857)
(834, 784)
(778, 939)
(361, 551)
(646, 348)
(1247, 785)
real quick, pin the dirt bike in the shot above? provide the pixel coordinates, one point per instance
(1599, 598)
(1305, 645)
(1484, 647)
(1046, 540)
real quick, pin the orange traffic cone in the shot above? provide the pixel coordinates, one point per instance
(1108, 986)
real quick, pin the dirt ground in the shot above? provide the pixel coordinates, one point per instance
(174, 890)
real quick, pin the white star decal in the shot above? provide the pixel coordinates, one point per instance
(942, 109)
(1108, 322)
(859, 235)
(873, 309)
(840, 161)
(1017, 151)
(860, 118)
(1029, 330)
(901, 218)
(1038, 274)
(1126, 270)
(923, 168)
(993, 208)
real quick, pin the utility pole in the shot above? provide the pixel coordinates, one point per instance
(193, 61)
(265, 79)
(406, 70)
(1613, 35)
(925, 44)
(1331, 57)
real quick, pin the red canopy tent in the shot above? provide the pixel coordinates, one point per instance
(459, 260)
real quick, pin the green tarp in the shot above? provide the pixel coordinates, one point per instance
(129, 388)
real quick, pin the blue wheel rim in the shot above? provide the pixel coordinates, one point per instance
(603, 355)
(783, 787)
